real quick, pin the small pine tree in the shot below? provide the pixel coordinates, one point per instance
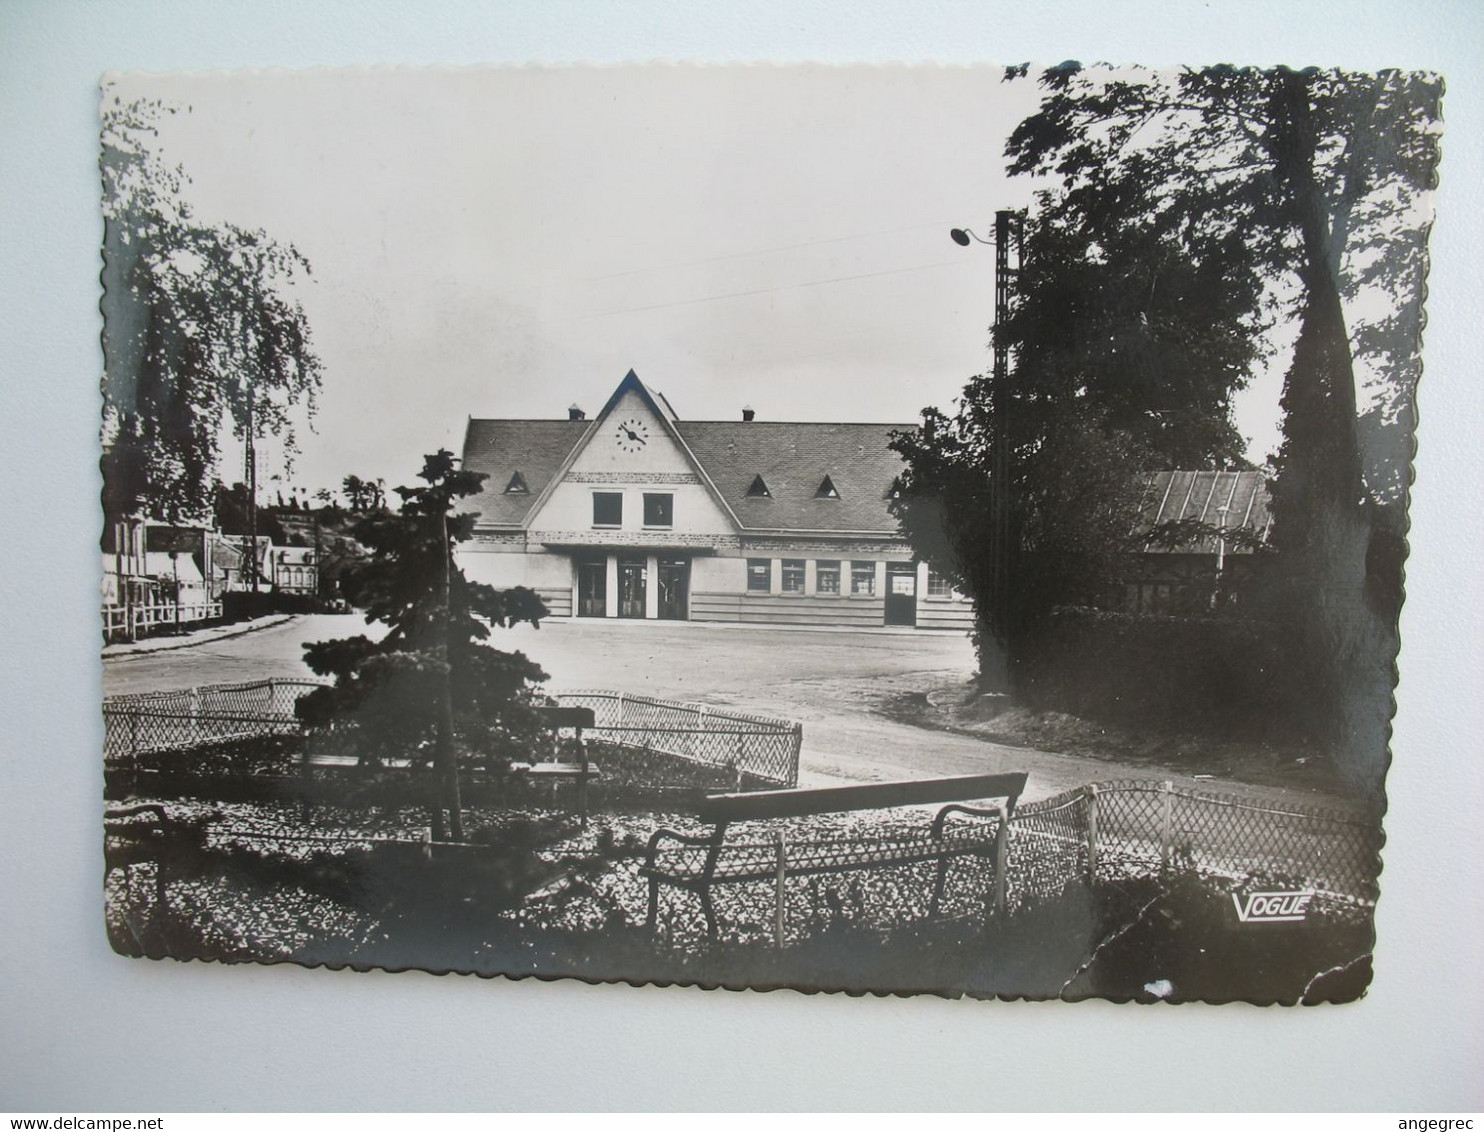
(431, 687)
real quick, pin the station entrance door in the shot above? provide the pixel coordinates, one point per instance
(674, 583)
(901, 593)
(592, 587)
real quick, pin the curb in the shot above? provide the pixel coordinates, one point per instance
(112, 652)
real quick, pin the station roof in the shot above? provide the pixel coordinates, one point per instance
(534, 448)
(825, 477)
(794, 459)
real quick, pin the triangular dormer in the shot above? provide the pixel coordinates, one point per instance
(517, 485)
(631, 446)
(826, 489)
(758, 489)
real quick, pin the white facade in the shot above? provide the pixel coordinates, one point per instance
(639, 515)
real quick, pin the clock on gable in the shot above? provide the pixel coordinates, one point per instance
(631, 435)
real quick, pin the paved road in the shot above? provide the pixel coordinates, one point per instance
(833, 682)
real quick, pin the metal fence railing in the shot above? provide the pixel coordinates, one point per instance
(755, 745)
(153, 722)
(1117, 827)
(750, 744)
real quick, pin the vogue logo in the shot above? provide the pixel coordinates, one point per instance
(1272, 907)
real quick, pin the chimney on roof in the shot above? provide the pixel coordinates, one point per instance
(574, 413)
(748, 413)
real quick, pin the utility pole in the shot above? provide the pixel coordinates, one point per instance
(445, 756)
(250, 459)
(1009, 231)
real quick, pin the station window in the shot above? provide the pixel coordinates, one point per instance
(827, 577)
(793, 575)
(659, 509)
(759, 575)
(607, 508)
(938, 586)
(863, 578)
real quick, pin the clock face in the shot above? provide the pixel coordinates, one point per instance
(631, 435)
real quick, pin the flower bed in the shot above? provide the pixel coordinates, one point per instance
(534, 894)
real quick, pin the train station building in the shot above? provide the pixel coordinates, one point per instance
(636, 513)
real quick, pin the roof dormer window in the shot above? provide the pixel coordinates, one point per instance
(517, 485)
(826, 489)
(758, 489)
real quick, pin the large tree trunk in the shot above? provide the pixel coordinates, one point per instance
(1340, 648)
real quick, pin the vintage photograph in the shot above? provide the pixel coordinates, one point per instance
(900, 529)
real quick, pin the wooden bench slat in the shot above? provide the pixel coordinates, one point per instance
(698, 863)
(563, 770)
(838, 799)
(566, 716)
(760, 862)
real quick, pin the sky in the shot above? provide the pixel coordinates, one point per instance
(506, 242)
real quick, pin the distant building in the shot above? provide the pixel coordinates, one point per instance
(157, 576)
(281, 569)
(639, 514)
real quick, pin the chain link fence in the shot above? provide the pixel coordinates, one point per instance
(1115, 829)
(754, 745)
(156, 722)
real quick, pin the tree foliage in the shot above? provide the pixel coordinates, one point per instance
(1319, 177)
(1249, 197)
(1127, 355)
(431, 687)
(231, 517)
(201, 334)
(364, 494)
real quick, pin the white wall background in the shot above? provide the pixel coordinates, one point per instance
(81, 1029)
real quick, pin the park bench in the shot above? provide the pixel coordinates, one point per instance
(699, 862)
(579, 770)
(143, 833)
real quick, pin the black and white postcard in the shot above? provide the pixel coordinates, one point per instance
(876, 529)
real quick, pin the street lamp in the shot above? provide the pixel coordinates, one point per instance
(1220, 552)
(1009, 227)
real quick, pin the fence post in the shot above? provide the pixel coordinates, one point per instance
(1092, 831)
(1167, 802)
(779, 848)
(695, 736)
(798, 745)
(1001, 858)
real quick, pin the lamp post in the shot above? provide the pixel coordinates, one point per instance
(1009, 229)
(1220, 554)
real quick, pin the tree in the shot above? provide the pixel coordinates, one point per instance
(1321, 176)
(201, 336)
(364, 494)
(355, 492)
(1128, 353)
(431, 684)
(230, 515)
